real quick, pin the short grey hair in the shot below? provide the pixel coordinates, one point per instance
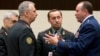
(9, 14)
(24, 6)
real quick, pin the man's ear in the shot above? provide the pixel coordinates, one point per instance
(85, 10)
(5, 20)
(26, 13)
(49, 20)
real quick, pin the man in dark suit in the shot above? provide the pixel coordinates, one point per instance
(10, 18)
(21, 40)
(55, 19)
(87, 38)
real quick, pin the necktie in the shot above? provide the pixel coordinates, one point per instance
(55, 31)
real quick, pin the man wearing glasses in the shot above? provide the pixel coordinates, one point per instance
(10, 18)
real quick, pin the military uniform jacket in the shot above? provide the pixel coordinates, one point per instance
(21, 40)
(3, 36)
(44, 47)
(87, 42)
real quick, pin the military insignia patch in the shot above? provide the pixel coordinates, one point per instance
(29, 40)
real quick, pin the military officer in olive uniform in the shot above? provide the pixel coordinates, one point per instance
(55, 19)
(10, 18)
(21, 40)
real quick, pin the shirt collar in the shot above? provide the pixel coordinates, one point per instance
(58, 31)
(86, 18)
(24, 22)
(4, 29)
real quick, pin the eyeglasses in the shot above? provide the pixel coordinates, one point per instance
(13, 21)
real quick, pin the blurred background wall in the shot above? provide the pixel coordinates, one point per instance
(41, 23)
(43, 6)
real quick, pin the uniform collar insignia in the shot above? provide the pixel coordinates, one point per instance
(6, 33)
(49, 32)
(63, 33)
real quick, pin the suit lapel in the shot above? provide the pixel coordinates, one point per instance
(81, 26)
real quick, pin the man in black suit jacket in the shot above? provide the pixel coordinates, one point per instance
(10, 18)
(55, 19)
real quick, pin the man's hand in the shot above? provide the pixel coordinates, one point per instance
(52, 39)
